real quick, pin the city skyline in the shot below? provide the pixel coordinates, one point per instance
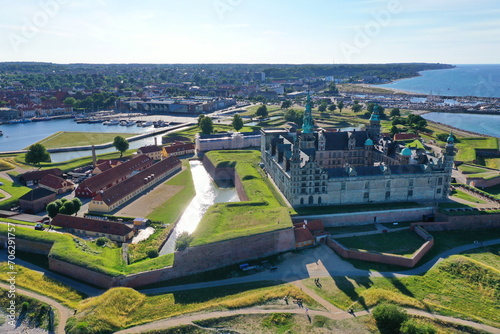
(239, 31)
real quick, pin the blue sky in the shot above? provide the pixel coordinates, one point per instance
(251, 31)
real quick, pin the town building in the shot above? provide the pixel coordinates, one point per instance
(316, 167)
(33, 177)
(36, 200)
(109, 199)
(91, 186)
(56, 184)
(104, 165)
(87, 227)
(178, 148)
(227, 141)
(154, 152)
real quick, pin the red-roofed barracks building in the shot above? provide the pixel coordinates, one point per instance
(109, 178)
(56, 184)
(115, 231)
(111, 198)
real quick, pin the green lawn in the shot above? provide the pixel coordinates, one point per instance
(471, 169)
(120, 308)
(262, 213)
(467, 147)
(190, 133)
(15, 190)
(4, 165)
(416, 144)
(466, 196)
(171, 209)
(458, 286)
(402, 242)
(70, 139)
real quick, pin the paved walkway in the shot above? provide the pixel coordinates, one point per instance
(63, 312)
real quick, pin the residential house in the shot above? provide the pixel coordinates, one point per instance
(155, 152)
(33, 177)
(91, 186)
(56, 184)
(178, 148)
(36, 200)
(116, 231)
(104, 165)
(111, 198)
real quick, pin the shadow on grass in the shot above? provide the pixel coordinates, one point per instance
(350, 290)
(205, 295)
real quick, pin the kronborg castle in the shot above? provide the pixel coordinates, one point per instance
(316, 167)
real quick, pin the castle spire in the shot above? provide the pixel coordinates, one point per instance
(308, 123)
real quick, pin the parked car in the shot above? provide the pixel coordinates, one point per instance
(39, 227)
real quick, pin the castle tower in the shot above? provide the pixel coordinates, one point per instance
(307, 139)
(368, 152)
(449, 153)
(374, 127)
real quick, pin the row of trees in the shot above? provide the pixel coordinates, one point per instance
(64, 206)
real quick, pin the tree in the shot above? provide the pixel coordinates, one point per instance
(121, 144)
(52, 209)
(183, 241)
(394, 130)
(389, 318)
(206, 125)
(77, 204)
(286, 104)
(37, 154)
(237, 122)
(411, 326)
(199, 119)
(395, 112)
(322, 107)
(296, 116)
(332, 107)
(340, 105)
(262, 111)
(356, 107)
(332, 88)
(70, 101)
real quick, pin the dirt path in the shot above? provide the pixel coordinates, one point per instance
(63, 312)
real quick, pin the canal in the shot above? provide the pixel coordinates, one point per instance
(207, 194)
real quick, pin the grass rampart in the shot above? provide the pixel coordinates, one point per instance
(262, 213)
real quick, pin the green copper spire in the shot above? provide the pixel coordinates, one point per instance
(308, 123)
(375, 115)
(450, 139)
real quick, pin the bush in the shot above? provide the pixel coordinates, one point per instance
(389, 318)
(152, 253)
(183, 241)
(101, 241)
(417, 327)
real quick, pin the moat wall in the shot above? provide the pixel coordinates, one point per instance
(368, 217)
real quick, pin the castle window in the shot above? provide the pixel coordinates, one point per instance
(388, 184)
(366, 195)
(367, 185)
(410, 193)
(301, 201)
(311, 200)
(438, 191)
(411, 183)
(440, 181)
(387, 195)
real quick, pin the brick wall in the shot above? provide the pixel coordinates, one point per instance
(361, 218)
(463, 222)
(393, 259)
(28, 245)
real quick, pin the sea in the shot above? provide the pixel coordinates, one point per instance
(463, 80)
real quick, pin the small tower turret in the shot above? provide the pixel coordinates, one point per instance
(374, 127)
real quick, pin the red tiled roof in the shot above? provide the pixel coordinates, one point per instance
(112, 162)
(181, 147)
(301, 234)
(312, 225)
(122, 189)
(94, 225)
(54, 182)
(39, 174)
(100, 181)
(149, 149)
(36, 194)
(104, 166)
(405, 136)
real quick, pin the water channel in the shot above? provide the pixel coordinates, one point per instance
(207, 194)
